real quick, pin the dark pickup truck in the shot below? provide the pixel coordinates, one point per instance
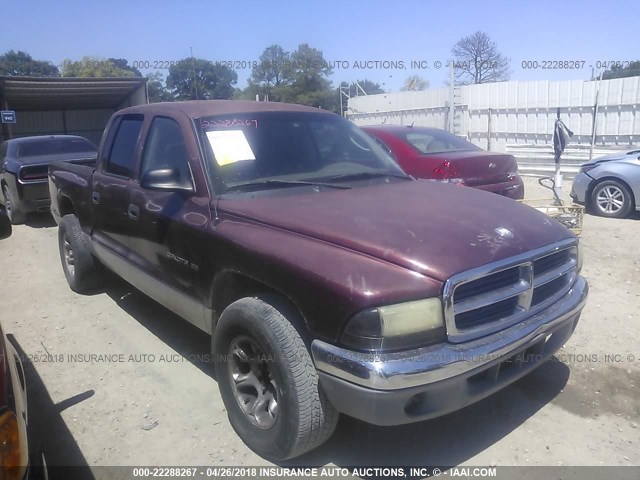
(329, 280)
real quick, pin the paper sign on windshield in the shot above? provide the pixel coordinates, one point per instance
(230, 146)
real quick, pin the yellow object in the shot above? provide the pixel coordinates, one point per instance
(13, 461)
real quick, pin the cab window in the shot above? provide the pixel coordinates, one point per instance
(165, 148)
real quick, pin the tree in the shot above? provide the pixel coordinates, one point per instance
(297, 77)
(272, 76)
(415, 83)
(620, 71)
(211, 80)
(21, 63)
(157, 90)
(311, 85)
(124, 65)
(477, 60)
(98, 67)
(274, 67)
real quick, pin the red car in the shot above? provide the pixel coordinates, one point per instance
(439, 155)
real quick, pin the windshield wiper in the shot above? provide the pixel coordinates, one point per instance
(364, 175)
(283, 183)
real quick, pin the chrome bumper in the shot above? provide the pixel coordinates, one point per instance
(428, 365)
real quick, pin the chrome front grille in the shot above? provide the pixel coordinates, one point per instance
(495, 296)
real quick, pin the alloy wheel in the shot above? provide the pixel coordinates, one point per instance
(610, 199)
(254, 386)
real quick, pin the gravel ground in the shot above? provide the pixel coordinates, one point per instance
(148, 396)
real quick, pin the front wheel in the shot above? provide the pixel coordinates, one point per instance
(612, 199)
(268, 382)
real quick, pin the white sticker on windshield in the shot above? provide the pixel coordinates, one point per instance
(230, 146)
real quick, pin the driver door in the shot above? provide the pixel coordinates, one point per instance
(166, 245)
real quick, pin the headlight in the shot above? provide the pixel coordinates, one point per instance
(586, 168)
(396, 327)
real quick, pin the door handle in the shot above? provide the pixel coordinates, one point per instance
(134, 211)
(95, 198)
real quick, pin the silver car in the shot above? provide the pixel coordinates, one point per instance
(610, 185)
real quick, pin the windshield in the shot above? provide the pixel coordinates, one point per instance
(437, 141)
(53, 146)
(304, 147)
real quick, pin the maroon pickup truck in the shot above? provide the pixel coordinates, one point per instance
(329, 280)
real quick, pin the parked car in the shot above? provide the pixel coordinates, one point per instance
(436, 154)
(331, 282)
(609, 185)
(14, 447)
(23, 170)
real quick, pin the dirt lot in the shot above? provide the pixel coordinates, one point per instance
(150, 399)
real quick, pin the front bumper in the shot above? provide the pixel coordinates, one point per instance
(580, 188)
(415, 385)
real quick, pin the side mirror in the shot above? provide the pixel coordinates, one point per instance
(167, 179)
(5, 225)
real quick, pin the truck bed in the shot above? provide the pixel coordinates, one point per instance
(70, 187)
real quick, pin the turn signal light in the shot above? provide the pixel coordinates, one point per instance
(13, 461)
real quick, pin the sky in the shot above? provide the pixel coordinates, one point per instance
(381, 38)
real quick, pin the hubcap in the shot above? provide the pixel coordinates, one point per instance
(253, 385)
(69, 261)
(610, 199)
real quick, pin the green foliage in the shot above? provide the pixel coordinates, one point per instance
(124, 65)
(274, 68)
(157, 90)
(211, 80)
(98, 67)
(297, 77)
(22, 64)
(620, 71)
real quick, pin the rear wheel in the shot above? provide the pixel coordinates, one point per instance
(612, 199)
(268, 382)
(13, 212)
(81, 269)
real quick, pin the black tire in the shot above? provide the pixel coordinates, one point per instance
(611, 198)
(304, 417)
(81, 269)
(16, 216)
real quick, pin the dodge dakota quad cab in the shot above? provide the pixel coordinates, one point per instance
(329, 280)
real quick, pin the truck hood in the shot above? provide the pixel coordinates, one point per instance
(431, 228)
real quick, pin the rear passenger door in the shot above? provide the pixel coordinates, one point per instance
(111, 185)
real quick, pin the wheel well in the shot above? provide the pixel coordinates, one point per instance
(65, 206)
(231, 286)
(615, 179)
